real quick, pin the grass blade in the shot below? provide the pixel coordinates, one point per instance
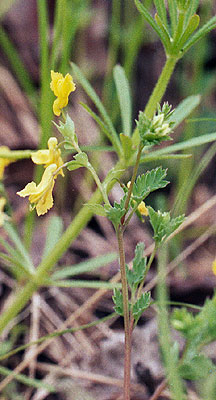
(123, 92)
(99, 121)
(20, 247)
(26, 380)
(173, 14)
(85, 267)
(82, 284)
(161, 10)
(184, 109)
(54, 231)
(94, 97)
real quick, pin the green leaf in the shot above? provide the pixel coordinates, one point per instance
(182, 320)
(20, 247)
(143, 10)
(116, 212)
(127, 145)
(123, 92)
(199, 367)
(141, 305)
(118, 301)
(211, 24)
(136, 274)
(78, 283)
(80, 160)
(184, 109)
(165, 32)
(67, 129)
(94, 97)
(187, 144)
(161, 9)
(54, 232)
(35, 383)
(97, 209)
(191, 10)
(85, 266)
(149, 182)
(173, 13)
(192, 26)
(162, 224)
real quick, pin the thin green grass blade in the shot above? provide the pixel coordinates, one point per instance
(161, 10)
(188, 185)
(56, 334)
(16, 63)
(124, 96)
(184, 109)
(173, 14)
(57, 28)
(94, 97)
(187, 144)
(211, 24)
(82, 284)
(191, 10)
(20, 247)
(99, 121)
(84, 267)
(54, 231)
(152, 157)
(19, 270)
(35, 383)
(143, 10)
(16, 260)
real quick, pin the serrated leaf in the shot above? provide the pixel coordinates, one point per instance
(116, 212)
(141, 305)
(67, 129)
(80, 160)
(97, 209)
(162, 224)
(118, 301)
(136, 274)
(123, 91)
(149, 182)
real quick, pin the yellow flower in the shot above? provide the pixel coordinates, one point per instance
(41, 196)
(214, 267)
(142, 209)
(50, 156)
(4, 161)
(3, 216)
(62, 87)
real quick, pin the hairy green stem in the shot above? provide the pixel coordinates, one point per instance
(127, 359)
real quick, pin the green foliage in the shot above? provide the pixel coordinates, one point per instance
(149, 182)
(127, 146)
(123, 91)
(54, 232)
(67, 130)
(136, 274)
(198, 331)
(162, 224)
(156, 130)
(116, 212)
(141, 305)
(81, 160)
(97, 209)
(118, 301)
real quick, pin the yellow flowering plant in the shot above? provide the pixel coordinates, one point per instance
(154, 125)
(4, 162)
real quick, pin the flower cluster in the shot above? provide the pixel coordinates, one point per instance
(40, 196)
(155, 130)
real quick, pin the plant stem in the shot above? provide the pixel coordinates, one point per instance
(161, 86)
(127, 360)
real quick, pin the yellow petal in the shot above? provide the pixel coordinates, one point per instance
(62, 87)
(40, 157)
(4, 162)
(46, 202)
(214, 267)
(142, 209)
(28, 190)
